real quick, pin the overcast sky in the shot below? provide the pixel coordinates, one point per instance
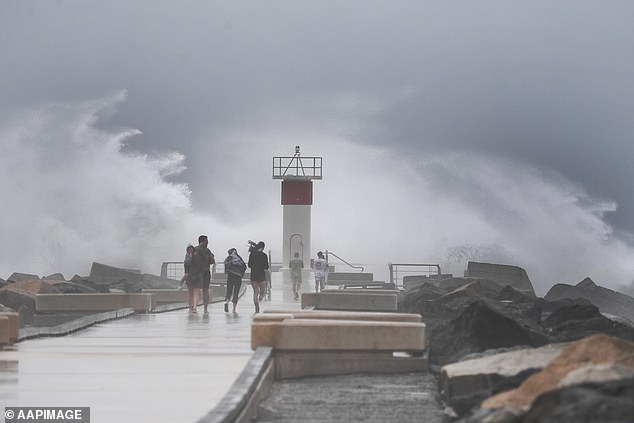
(451, 130)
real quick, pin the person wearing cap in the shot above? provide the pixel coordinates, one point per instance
(258, 263)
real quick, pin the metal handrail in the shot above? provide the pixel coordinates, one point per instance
(351, 265)
(394, 269)
(175, 270)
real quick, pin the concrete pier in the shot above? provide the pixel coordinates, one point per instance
(148, 367)
(169, 366)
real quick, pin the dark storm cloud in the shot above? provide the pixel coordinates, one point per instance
(546, 85)
(550, 83)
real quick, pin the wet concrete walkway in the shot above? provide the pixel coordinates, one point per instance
(167, 367)
(376, 398)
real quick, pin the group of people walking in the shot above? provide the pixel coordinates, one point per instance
(198, 274)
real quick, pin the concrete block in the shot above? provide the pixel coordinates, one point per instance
(303, 364)
(5, 331)
(103, 272)
(140, 302)
(309, 299)
(503, 274)
(368, 285)
(344, 276)
(337, 315)
(353, 300)
(339, 335)
(272, 317)
(164, 296)
(358, 291)
(14, 324)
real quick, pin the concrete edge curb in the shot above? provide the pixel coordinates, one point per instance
(73, 325)
(92, 319)
(164, 308)
(234, 406)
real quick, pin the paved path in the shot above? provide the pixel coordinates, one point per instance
(165, 367)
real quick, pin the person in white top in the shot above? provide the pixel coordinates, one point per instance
(321, 271)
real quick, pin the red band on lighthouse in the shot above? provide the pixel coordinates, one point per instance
(297, 193)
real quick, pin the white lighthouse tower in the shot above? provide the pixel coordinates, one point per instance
(297, 174)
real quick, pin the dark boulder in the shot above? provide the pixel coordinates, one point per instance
(549, 306)
(17, 277)
(503, 274)
(127, 280)
(571, 322)
(568, 312)
(73, 288)
(509, 293)
(478, 328)
(54, 277)
(608, 301)
(84, 281)
(590, 402)
(483, 285)
(34, 286)
(21, 301)
(412, 301)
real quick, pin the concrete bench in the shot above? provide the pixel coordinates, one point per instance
(140, 302)
(352, 277)
(367, 285)
(351, 299)
(319, 346)
(339, 335)
(278, 315)
(14, 324)
(371, 291)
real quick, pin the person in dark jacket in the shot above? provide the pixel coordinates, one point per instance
(234, 268)
(259, 264)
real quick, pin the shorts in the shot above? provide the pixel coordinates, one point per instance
(296, 279)
(206, 279)
(194, 281)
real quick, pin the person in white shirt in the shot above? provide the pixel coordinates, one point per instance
(321, 271)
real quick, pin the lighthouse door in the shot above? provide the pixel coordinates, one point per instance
(296, 246)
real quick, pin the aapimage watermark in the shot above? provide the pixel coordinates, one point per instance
(46, 414)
